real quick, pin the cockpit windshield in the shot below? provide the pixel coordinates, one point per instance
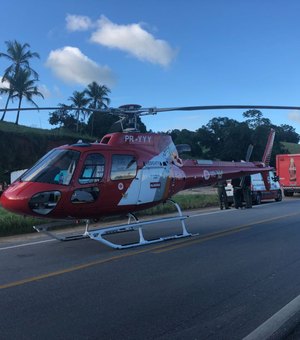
(56, 167)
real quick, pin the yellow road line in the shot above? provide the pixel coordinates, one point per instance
(211, 236)
(155, 249)
(69, 270)
(202, 239)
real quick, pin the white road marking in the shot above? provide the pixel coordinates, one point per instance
(26, 244)
(211, 213)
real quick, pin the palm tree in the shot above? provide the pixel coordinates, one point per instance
(98, 95)
(79, 102)
(19, 56)
(22, 86)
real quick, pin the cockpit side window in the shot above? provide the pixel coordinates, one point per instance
(123, 167)
(57, 167)
(93, 169)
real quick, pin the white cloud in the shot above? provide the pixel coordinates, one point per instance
(73, 67)
(134, 40)
(44, 91)
(4, 84)
(294, 116)
(78, 23)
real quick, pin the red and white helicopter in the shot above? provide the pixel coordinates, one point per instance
(125, 172)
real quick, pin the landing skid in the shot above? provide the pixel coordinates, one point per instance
(46, 229)
(100, 233)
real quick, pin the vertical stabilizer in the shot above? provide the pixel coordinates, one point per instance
(268, 150)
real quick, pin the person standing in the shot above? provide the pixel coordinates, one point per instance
(237, 192)
(246, 188)
(223, 201)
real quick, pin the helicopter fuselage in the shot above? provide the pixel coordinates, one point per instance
(124, 172)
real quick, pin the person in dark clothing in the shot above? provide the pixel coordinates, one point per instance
(222, 195)
(246, 189)
(237, 192)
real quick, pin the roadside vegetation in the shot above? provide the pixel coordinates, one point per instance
(12, 224)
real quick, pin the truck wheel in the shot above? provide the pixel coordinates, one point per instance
(258, 199)
(288, 193)
(279, 196)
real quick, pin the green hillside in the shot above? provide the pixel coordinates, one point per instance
(22, 146)
(292, 147)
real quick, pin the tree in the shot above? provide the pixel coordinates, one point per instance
(286, 133)
(255, 119)
(187, 137)
(99, 99)
(19, 55)
(98, 95)
(63, 118)
(79, 102)
(224, 136)
(22, 86)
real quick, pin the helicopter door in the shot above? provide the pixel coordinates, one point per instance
(91, 174)
(124, 176)
(143, 186)
(153, 183)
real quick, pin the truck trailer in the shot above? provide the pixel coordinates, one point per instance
(288, 171)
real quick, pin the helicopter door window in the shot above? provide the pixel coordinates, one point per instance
(123, 167)
(93, 169)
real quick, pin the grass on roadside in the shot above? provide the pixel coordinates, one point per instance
(12, 224)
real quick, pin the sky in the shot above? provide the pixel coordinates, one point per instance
(161, 53)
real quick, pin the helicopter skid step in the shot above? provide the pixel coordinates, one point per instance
(44, 228)
(99, 234)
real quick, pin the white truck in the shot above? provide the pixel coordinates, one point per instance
(258, 189)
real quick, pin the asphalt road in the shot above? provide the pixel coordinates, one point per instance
(242, 267)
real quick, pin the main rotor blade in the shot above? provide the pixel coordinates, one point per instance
(38, 108)
(226, 107)
(153, 110)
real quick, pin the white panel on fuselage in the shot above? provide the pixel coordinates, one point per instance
(149, 184)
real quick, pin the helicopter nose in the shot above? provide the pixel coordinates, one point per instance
(13, 200)
(28, 198)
